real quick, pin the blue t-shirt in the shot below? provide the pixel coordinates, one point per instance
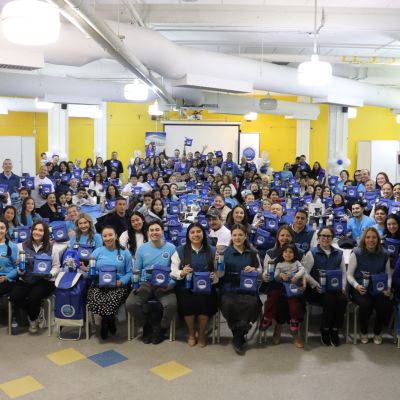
(97, 242)
(148, 255)
(8, 266)
(121, 260)
(357, 227)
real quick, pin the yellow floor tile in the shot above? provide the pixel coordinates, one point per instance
(21, 386)
(170, 370)
(66, 356)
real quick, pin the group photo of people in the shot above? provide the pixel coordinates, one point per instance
(185, 237)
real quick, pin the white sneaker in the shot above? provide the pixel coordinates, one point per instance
(33, 326)
(378, 339)
(364, 339)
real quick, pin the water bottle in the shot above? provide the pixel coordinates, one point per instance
(22, 261)
(135, 279)
(220, 262)
(92, 267)
(366, 276)
(188, 281)
(14, 326)
(271, 270)
(16, 236)
(51, 232)
(322, 280)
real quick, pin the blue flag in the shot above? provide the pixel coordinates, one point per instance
(188, 141)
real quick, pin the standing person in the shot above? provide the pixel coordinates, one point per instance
(8, 259)
(288, 269)
(7, 177)
(156, 252)
(114, 165)
(41, 179)
(324, 257)
(194, 257)
(106, 301)
(240, 309)
(30, 289)
(370, 258)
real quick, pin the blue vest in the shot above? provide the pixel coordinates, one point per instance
(29, 256)
(304, 238)
(322, 261)
(374, 263)
(198, 260)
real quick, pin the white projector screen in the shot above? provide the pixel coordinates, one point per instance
(215, 136)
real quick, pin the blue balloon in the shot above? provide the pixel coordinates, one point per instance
(339, 162)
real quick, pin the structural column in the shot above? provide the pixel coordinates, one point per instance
(100, 134)
(303, 133)
(58, 131)
(337, 138)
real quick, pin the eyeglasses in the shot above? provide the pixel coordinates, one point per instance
(326, 236)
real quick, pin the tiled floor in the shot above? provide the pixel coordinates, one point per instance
(39, 367)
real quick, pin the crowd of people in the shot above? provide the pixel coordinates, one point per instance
(196, 233)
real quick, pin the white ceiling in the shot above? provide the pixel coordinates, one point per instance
(361, 38)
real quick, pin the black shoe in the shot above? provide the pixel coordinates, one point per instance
(325, 337)
(104, 329)
(111, 325)
(335, 337)
(158, 335)
(238, 342)
(147, 334)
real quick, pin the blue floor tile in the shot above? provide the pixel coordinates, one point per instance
(107, 358)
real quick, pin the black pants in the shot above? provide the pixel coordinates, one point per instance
(6, 287)
(333, 307)
(29, 296)
(367, 303)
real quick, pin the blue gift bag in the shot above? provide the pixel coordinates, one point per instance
(339, 228)
(270, 222)
(85, 251)
(201, 282)
(137, 190)
(392, 246)
(173, 207)
(218, 153)
(109, 204)
(333, 180)
(210, 169)
(292, 290)
(60, 233)
(23, 233)
(295, 189)
(29, 182)
(42, 264)
(333, 280)
(181, 239)
(379, 283)
(394, 207)
(77, 174)
(307, 199)
(351, 192)
(45, 189)
(253, 207)
(261, 237)
(107, 277)
(202, 220)
(65, 178)
(339, 212)
(160, 276)
(248, 281)
(327, 202)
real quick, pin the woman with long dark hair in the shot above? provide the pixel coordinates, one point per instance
(8, 259)
(31, 288)
(136, 234)
(196, 256)
(28, 212)
(239, 308)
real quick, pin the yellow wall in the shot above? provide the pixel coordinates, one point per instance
(23, 124)
(81, 139)
(127, 124)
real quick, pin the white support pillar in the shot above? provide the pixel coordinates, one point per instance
(100, 134)
(303, 132)
(337, 137)
(58, 131)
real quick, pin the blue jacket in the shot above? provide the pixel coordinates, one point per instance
(374, 263)
(198, 261)
(121, 260)
(322, 261)
(8, 267)
(13, 182)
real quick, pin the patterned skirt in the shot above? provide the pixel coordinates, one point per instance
(106, 301)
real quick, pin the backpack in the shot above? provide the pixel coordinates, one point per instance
(70, 303)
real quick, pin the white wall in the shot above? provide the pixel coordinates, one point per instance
(22, 152)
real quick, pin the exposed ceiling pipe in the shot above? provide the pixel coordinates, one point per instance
(86, 19)
(174, 62)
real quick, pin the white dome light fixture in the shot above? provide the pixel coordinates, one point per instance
(30, 22)
(136, 91)
(351, 113)
(315, 72)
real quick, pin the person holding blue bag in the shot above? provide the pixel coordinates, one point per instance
(370, 276)
(37, 273)
(194, 270)
(152, 267)
(240, 304)
(327, 280)
(8, 259)
(114, 272)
